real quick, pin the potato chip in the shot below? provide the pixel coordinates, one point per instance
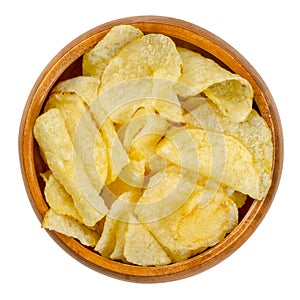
(70, 227)
(193, 226)
(88, 141)
(166, 191)
(141, 135)
(141, 248)
(55, 143)
(220, 157)
(120, 102)
(96, 59)
(117, 215)
(153, 55)
(254, 133)
(201, 227)
(117, 156)
(232, 93)
(58, 198)
(86, 87)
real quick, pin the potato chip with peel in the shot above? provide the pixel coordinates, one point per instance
(87, 140)
(87, 87)
(232, 93)
(254, 133)
(70, 227)
(56, 146)
(220, 157)
(153, 55)
(58, 198)
(141, 248)
(117, 215)
(96, 59)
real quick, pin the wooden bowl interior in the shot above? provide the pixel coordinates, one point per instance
(67, 64)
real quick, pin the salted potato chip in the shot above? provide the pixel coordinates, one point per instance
(254, 133)
(117, 156)
(117, 215)
(121, 101)
(220, 157)
(96, 59)
(153, 55)
(165, 192)
(141, 135)
(232, 93)
(87, 87)
(56, 146)
(58, 198)
(141, 248)
(88, 141)
(70, 227)
(192, 227)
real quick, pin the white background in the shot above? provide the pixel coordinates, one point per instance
(32, 266)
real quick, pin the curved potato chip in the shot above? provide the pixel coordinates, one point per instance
(153, 55)
(192, 227)
(56, 146)
(121, 101)
(96, 59)
(141, 248)
(220, 157)
(58, 198)
(232, 93)
(88, 141)
(70, 227)
(117, 215)
(254, 133)
(86, 87)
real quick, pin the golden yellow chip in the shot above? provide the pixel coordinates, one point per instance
(86, 138)
(96, 59)
(117, 215)
(55, 143)
(214, 155)
(58, 198)
(87, 87)
(70, 227)
(254, 133)
(232, 93)
(195, 225)
(153, 55)
(141, 248)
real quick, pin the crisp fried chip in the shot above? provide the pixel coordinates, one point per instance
(153, 55)
(220, 157)
(232, 93)
(141, 248)
(96, 59)
(254, 133)
(58, 198)
(70, 227)
(121, 101)
(117, 217)
(141, 135)
(55, 143)
(88, 141)
(192, 227)
(87, 87)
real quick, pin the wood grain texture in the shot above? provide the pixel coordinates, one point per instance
(67, 63)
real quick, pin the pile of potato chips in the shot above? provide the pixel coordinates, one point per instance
(151, 151)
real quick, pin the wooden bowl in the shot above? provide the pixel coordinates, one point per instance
(67, 64)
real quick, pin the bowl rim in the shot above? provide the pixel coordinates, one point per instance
(202, 38)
